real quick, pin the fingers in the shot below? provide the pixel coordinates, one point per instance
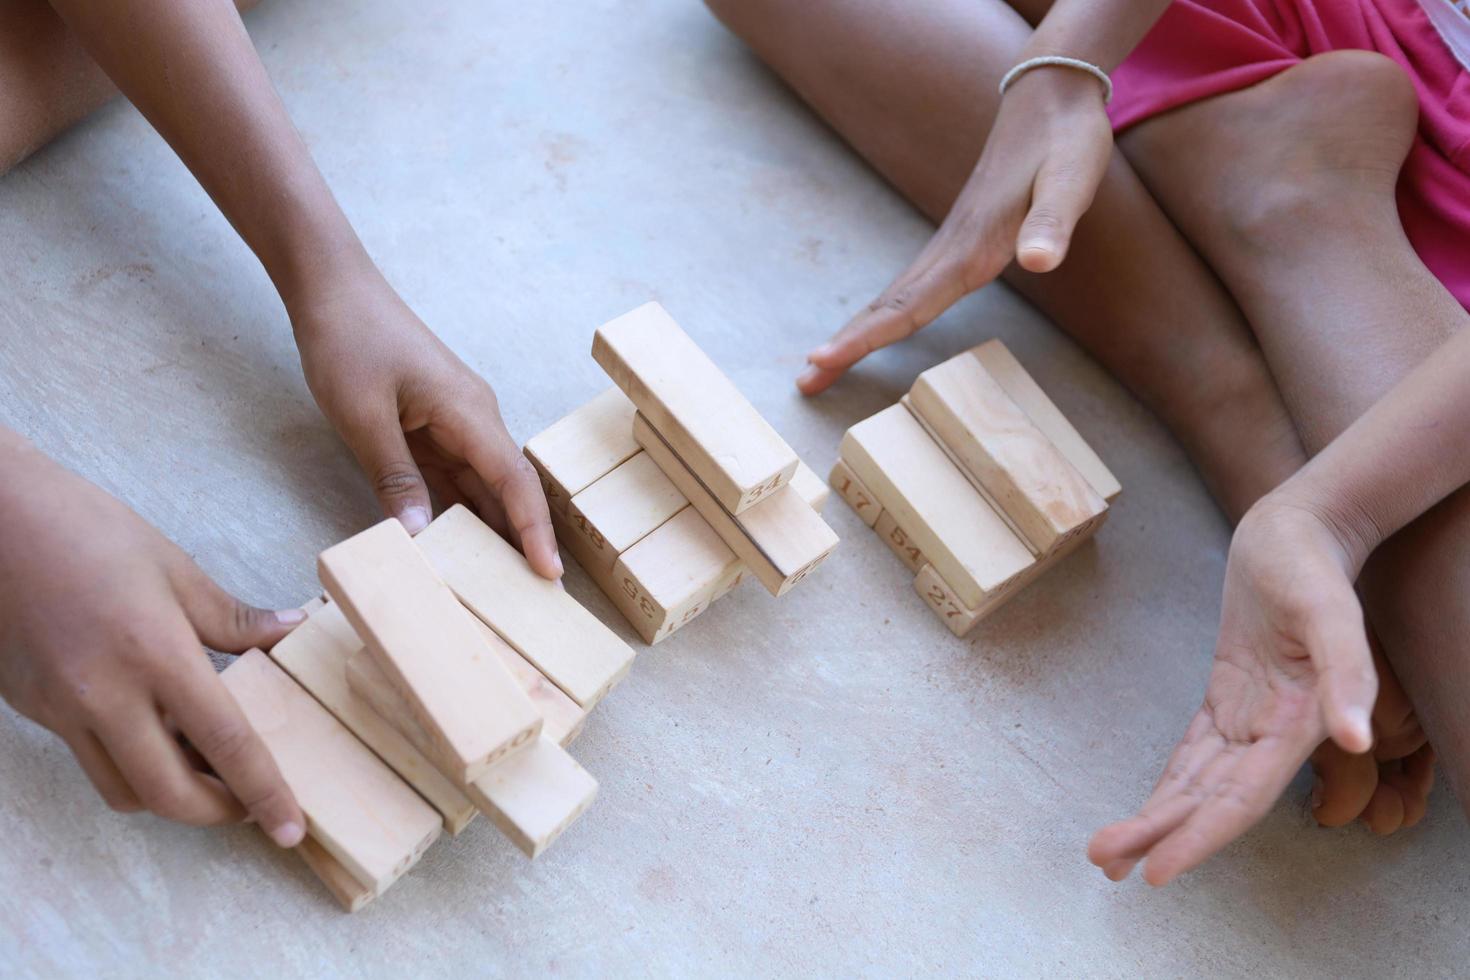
(103, 772)
(214, 724)
(155, 768)
(222, 621)
(1338, 644)
(1059, 198)
(511, 478)
(1344, 785)
(382, 452)
(1405, 786)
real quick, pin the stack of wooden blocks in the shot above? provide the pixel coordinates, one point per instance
(669, 487)
(976, 481)
(443, 678)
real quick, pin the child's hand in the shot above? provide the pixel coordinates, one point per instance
(1292, 667)
(101, 623)
(415, 416)
(1041, 165)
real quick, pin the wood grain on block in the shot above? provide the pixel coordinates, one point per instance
(781, 539)
(350, 893)
(957, 530)
(315, 654)
(858, 497)
(621, 508)
(1024, 474)
(532, 795)
(356, 808)
(537, 617)
(561, 718)
(1044, 414)
(899, 542)
(675, 573)
(582, 447)
(810, 486)
(429, 647)
(702, 415)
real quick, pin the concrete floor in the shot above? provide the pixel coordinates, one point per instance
(829, 784)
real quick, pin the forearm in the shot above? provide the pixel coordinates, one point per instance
(1400, 458)
(190, 68)
(1100, 31)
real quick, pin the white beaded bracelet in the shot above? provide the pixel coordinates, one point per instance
(1058, 61)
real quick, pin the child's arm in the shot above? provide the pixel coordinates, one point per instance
(406, 406)
(101, 625)
(1042, 163)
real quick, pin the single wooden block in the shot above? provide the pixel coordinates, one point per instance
(720, 436)
(858, 497)
(675, 573)
(356, 808)
(315, 654)
(1023, 473)
(430, 649)
(532, 796)
(1044, 414)
(623, 507)
(350, 893)
(810, 486)
(537, 617)
(577, 546)
(946, 518)
(582, 447)
(561, 717)
(899, 542)
(781, 539)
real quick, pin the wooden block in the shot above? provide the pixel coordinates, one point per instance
(315, 655)
(347, 890)
(582, 447)
(1023, 473)
(532, 796)
(781, 539)
(538, 618)
(720, 436)
(647, 627)
(945, 517)
(311, 605)
(1044, 414)
(899, 542)
(623, 507)
(356, 808)
(561, 718)
(675, 574)
(430, 649)
(810, 486)
(858, 497)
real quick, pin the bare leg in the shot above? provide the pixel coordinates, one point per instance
(1287, 188)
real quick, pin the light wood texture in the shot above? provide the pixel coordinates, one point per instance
(720, 436)
(675, 573)
(1044, 414)
(946, 518)
(430, 649)
(561, 718)
(647, 620)
(852, 490)
(537, 617)
(350, 893)
(315, 654)
(781, 539)
(313, 604)
(532, 796)
(899, 542)
(810, 487)
(356, 808)
(623, 507)
(1023, 473)
(582, 447)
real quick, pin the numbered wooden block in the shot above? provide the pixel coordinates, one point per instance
(1044, 414)
(544, 624)
(956, 529)
(899, 542)
(858, 497)
(562, 718)
(810, 487)
(350, 893)
(674, 574)
(781, 539)
(623, 507)
(706, 421)
(315, 654)
(582, 447)
(946, 605)
(430, 648)
(364, 816)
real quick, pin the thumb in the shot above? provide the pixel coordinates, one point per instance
(1059, 197)
(382, 452)
(225, 623)
(1337, 641)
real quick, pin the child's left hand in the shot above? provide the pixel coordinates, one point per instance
(1292, 667)
(416, 416)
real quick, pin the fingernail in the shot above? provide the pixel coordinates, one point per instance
(808, 376)
(556, 563)
(290, 617)
(1317, 793)
(288, 834)
(414, 519)
(826, 350)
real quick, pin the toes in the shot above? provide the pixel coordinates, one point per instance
(1345, 785)
(1412, 779)
(1385, 811)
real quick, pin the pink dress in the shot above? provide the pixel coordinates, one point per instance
(1201, 48)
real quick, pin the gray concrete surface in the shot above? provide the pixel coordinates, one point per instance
(830, 784)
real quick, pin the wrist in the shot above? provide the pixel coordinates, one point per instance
(1350, 525)
(1053, 88)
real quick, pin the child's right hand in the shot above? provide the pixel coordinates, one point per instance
(101, 624)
